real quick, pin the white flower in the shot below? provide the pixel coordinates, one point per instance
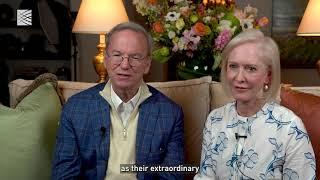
(141, 7)
(182, 44)
(172, 16)
(171, 34)
(251, 10)
(220, 15)
(196, 68)
(175, 39)
(207, 19)
(180, 24)
(226, 25)
(246, 24)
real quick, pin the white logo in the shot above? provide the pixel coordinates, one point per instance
(24, 17)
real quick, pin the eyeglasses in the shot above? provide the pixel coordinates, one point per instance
(134, 60)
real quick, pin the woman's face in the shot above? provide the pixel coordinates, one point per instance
(246, 73)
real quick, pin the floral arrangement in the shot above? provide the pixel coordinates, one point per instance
(194, 33)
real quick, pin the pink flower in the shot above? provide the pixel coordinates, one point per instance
(201, 10)
(192, 40)
(222, 40)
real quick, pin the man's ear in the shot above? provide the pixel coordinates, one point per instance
(147, 66)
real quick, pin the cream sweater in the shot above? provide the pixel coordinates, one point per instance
(122, 138)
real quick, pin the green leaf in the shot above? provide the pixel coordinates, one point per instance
(217, 61)
(233, 19)
(161, 55)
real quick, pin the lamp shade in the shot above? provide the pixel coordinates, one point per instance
(99, 16)
(310, 23)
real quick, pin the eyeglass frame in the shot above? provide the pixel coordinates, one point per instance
(129, 57)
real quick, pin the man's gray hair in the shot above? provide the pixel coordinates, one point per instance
(133, 27)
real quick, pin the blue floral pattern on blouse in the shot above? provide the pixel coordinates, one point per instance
(272, 144)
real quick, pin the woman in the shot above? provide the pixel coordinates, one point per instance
(253, 137)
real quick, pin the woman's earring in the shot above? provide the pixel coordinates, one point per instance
(266, 87)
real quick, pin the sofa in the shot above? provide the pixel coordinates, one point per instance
(198, 97)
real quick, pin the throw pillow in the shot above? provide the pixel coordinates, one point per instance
(307, 107)
(27, 133)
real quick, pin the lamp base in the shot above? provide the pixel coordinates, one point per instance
(98, 63)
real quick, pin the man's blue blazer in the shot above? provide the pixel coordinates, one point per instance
(82, 144)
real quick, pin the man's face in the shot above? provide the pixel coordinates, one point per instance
(127, 60)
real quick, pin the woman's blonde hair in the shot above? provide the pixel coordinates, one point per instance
(268, 53)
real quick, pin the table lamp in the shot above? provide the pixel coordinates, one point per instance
(99, 17)
(310, 24)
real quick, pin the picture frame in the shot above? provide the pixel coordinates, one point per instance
(295, 51)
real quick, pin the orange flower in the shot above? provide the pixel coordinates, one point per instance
(157, 27)
(200, 29)
(152, 2)
(263, 21)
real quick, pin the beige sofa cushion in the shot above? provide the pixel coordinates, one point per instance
(70, 88)
(218, 96)
(194, 97)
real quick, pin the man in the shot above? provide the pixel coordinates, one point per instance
(121, 122)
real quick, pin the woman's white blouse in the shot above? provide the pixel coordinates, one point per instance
(272, 144)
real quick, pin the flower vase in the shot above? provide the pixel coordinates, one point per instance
(196, 68)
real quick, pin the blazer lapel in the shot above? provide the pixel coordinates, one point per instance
(103, 125)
